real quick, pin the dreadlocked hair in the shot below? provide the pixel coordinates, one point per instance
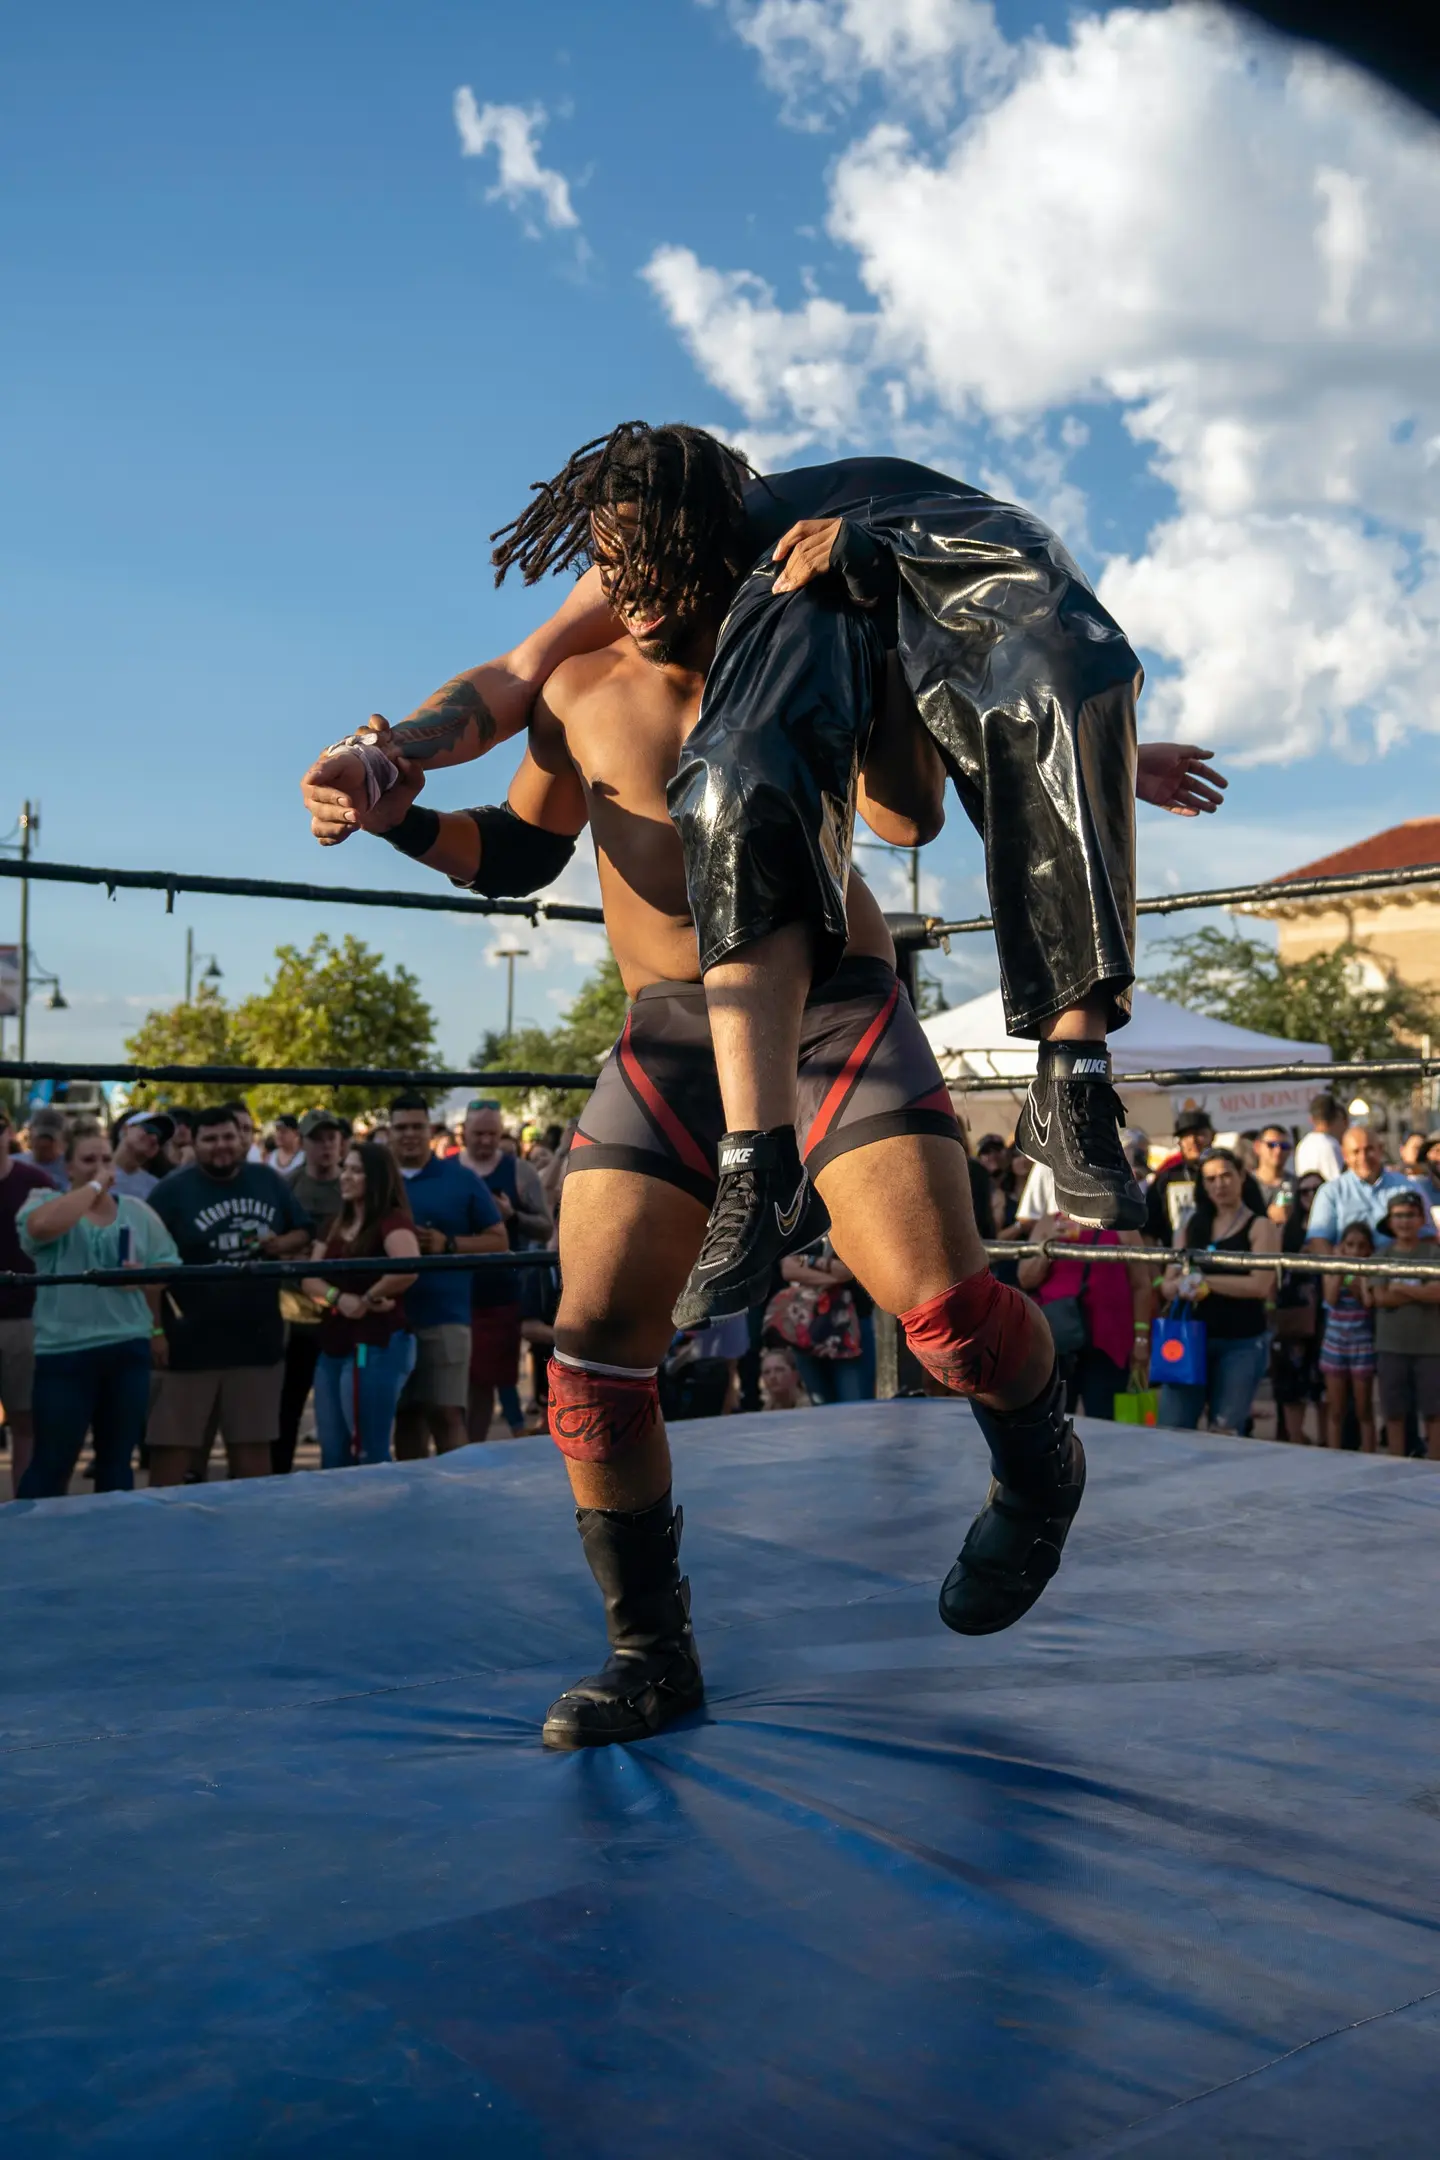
(688, 539)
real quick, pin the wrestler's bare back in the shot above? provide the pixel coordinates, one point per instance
(605, 741)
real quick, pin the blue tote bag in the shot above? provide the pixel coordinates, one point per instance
(1177, 1350)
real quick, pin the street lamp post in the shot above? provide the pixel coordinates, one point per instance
(212, 973)
(510, 954)
(29, 827)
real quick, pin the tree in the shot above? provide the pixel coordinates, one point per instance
(334, 1005)
(200, 1033)
(1318, 1000)
(580, 1043)
(329, 1005)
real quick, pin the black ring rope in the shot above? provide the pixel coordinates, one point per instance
(926, 932)
(178, 1276)
(1274, 893)
(380, 1077)
(171, 882)
(1182, 1076)
(1189, 1076)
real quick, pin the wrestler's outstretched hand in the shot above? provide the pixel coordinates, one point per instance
(1179, 778)
(334, 790)
(806, 551)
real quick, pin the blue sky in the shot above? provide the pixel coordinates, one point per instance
(276, 365)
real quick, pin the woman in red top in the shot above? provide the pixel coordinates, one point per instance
(367, 1352)
(1112, 1324)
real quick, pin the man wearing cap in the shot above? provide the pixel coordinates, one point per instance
(316, 1186)
(46, 1133)
(137, 1141)
(1171, 1198)
(990, 1156)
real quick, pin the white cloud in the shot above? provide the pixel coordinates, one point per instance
(807, 367)
(817, 54)
(553, 946)
(512, 132)
(1232, 240)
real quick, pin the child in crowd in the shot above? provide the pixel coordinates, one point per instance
(1347, 1356)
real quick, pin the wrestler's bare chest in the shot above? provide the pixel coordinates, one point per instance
(625, 738)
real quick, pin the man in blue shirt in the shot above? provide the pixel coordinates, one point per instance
(454, 1212)
(1361, 1194)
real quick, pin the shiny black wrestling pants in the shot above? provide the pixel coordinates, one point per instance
(1026, 685)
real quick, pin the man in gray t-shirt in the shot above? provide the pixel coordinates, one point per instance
(1407, 1331)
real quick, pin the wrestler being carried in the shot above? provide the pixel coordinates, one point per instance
(836, 579)
(609, 736)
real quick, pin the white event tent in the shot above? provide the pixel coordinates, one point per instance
(970, 1039)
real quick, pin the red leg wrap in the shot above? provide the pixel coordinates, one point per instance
(976, 1337)
(593, 1416)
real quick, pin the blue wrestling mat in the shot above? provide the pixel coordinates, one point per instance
(285, 1870)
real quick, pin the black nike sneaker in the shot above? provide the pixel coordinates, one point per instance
(1071, 1122)
(652, 1674)
(765, 1207)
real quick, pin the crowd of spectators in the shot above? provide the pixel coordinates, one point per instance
(1316, 1339)
(397, 1360)
(393, 1360)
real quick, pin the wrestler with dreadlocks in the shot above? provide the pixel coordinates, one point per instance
(609, 735)
(1026, 689)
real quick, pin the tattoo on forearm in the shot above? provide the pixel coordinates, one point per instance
(443, 722)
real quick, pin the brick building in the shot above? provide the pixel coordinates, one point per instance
(1399, 929)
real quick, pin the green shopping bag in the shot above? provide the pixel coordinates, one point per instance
(1140, 1407)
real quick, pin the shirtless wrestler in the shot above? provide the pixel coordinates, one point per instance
(877, 1134)
(1040, 743)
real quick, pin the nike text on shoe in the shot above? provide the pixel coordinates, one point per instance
(765, 1207)
(1071, 1122)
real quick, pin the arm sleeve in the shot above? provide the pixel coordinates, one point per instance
(516, 857)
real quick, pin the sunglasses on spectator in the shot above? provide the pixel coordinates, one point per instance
(1283, 1144)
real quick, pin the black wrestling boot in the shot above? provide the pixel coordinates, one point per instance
(652, 1673)
(1015, 1541)
(764, 1208)
(1071, 1122)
